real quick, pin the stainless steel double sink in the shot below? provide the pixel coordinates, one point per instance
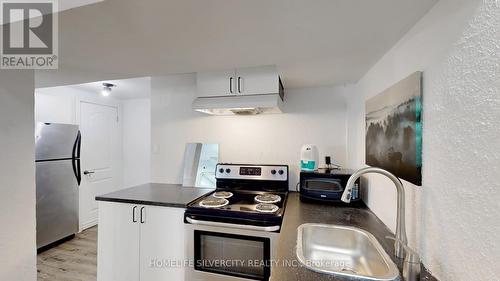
(344, 251)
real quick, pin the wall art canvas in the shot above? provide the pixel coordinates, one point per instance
(394, 129)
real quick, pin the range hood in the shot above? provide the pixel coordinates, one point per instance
(240, 104)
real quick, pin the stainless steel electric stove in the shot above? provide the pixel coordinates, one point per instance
(239, 222)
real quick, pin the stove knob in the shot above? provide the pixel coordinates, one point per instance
(273, 172)
(228, 171)
(281, 172)
(221, 170)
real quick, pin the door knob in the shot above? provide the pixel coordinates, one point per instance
(88, 172)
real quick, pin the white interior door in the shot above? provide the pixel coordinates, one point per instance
(100, 157)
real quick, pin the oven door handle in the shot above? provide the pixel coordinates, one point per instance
(232, 225)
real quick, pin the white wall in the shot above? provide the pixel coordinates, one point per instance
(17, 177)
(55, 107)
(453, 218)
(61, 104)
(313, 115)
(136, 142)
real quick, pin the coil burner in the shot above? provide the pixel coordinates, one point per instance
(223, 194)
(214, 202)
(268, 198)
(266, 208)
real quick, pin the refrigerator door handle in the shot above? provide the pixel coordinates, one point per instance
(76, 158)
(77, 170)
(77, 145)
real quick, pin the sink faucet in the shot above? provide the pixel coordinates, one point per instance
(400, 219)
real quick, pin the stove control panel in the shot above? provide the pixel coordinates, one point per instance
(254, 172)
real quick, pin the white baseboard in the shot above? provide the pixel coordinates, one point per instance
(88, 224)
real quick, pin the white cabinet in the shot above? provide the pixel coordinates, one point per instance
(118, 241)
(257, 80)
(137, 242)
(216, 83)
(239, 81)
(162, 244)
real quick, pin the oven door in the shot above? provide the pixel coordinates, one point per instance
(228, 254)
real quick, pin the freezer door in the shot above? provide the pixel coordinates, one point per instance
(56, 141)
(56, 201)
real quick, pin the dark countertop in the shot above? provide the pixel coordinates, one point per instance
(156, 194)
(297, 213)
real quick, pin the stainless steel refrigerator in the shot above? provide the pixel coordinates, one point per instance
(58, 177)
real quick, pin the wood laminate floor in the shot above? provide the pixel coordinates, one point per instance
(74, 260)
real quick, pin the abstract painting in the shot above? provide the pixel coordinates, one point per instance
(394, 129)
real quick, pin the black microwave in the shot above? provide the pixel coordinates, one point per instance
(327, 185)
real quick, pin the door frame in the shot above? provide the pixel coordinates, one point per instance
(103, 101)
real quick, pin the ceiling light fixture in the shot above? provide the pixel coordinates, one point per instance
(106, 90)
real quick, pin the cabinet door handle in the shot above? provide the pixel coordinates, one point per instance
(231, 85)
(239, 84)
(134, 219)
(143, 215)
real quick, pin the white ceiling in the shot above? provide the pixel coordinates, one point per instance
(315, 42)
(133, 88)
